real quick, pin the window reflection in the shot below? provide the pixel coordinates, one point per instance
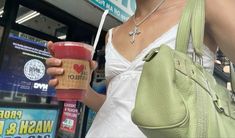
(42, 23)
(2, 3)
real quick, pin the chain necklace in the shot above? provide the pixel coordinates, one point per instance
(135, 31)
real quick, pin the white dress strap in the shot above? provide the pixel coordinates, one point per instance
(110, 35)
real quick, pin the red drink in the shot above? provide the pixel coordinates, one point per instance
(75, 57)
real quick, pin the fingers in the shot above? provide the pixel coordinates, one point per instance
(50, 47)
(54, 71)
(93, 65)
(53, 82)
(53, 62)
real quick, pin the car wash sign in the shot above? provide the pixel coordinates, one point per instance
(28, 123)
(120, 9)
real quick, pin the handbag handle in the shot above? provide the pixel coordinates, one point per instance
(183, 32)
(198, 26)
(192, 21)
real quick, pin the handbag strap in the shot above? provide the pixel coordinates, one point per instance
(232, 77)
(183, 31)
(198, 26)
(192, 21)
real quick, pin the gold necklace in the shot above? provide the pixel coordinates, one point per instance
(135, 31)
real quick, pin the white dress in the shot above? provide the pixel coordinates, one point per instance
(114, 118)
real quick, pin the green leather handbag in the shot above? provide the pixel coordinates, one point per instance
(176, 96)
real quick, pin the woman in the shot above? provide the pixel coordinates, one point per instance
(155, 22)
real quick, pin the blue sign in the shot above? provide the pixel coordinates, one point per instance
(23, 68)
(28, 123)
(120, 9)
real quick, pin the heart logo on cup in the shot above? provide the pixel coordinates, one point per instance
(78, 68)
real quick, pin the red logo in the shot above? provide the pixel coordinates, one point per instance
(78, 68)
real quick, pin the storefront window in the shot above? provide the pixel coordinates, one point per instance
(1, 32)
(23, 70)
(2, 3)
(42, 23)
(29, 37)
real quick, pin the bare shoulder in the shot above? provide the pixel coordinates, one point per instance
(220, 24)
(107, 35)
(114, 29)
(217, 10)
(106, 38)
(121, 27)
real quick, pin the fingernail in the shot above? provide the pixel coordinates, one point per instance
(60, 71)
(58, 62)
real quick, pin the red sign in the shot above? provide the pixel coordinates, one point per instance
(69, 117)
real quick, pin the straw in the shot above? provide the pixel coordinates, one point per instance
(99, 30)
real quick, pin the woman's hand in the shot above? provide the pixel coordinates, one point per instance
(54, 69)
(54, 66)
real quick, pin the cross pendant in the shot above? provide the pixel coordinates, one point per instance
(133, 33)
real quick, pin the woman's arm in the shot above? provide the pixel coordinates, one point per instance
(94, 100)
(220, 24)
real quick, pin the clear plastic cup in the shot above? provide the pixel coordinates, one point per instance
(75, 80)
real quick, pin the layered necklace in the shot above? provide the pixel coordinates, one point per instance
(135, 31)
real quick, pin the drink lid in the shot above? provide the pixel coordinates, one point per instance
(70, 43)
